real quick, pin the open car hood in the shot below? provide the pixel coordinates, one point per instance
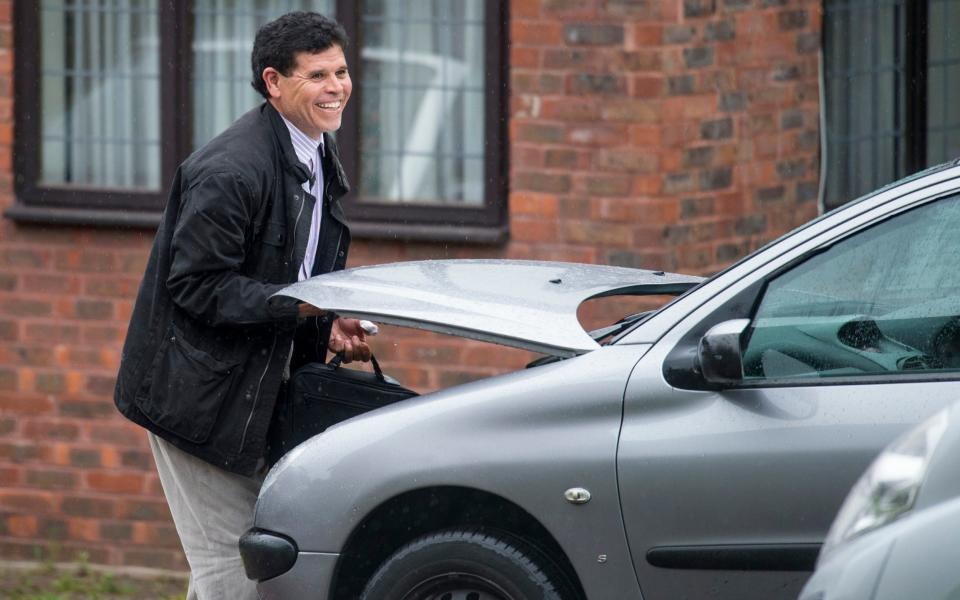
(524, 304)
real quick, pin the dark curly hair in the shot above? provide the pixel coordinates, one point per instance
(279, 41)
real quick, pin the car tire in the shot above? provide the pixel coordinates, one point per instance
(462, 565)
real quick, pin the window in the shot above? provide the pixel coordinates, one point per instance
(113, 94)
(884, 301)
(892, 75)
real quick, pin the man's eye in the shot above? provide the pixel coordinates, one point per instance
(341, 74)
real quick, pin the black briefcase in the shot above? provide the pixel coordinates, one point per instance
(322, 394)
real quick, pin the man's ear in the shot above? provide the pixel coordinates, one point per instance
(271, 78)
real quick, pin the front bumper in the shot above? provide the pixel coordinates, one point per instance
(281, 570)
(310, 577)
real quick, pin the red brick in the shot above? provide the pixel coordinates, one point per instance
(570, 109)
(610, 234)
(98, 334)
(25, 307)
(50, 429)
(646, 34)
(631, 111)
(51, 332)
(118, 433)
(533, 230)
(524, 57)
(113, 287)
(86, 409)
(9, 331)
(128, 482)
(140, 509)
(526, 203)
(525, 8)
(24, 403)
(538, 181)
(539, 133)
(562, 158)
(23, 526)
(29, 258)
(627, 161)
(647, 86)
(156, 559)
(83, 529)
(536, 33)
(599, 135)
(57, 479)
(10, 477)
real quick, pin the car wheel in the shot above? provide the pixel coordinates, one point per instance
(461, 565)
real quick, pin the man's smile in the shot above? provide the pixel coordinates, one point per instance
(335, 105)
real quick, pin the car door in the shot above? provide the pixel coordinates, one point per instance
(852, 337)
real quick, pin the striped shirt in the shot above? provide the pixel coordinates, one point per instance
(309, 151)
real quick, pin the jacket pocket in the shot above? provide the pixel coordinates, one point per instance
(275, 234)
(185, 389)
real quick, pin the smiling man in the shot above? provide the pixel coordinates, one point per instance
(208, 350)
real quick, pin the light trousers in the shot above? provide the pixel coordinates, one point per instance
(211, 509)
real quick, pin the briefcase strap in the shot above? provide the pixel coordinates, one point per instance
(338, 358)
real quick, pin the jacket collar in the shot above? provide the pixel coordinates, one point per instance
(291, 162)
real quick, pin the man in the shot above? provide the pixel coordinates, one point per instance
(208, 347)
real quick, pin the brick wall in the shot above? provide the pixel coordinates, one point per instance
(668, 134)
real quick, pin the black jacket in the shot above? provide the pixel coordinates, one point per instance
(206, 348)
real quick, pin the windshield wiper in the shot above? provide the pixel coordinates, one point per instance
(621, 325)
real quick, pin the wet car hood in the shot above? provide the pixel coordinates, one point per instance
(524, 304)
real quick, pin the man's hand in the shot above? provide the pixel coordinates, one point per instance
(348, 337)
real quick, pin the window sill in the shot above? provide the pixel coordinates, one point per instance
(404, 232)
(54, 215)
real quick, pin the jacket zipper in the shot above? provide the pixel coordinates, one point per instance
(296, 225)
(256, 396)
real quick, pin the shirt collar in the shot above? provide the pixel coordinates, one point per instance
(305, 146)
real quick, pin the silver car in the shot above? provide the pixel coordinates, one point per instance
(696, 451)
(896, 535)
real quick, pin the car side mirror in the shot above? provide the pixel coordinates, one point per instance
(719, 354)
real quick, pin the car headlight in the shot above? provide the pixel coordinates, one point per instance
(889, 486)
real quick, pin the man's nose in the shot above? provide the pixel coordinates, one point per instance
(334, 85)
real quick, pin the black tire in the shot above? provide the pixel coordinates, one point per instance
(461, 565)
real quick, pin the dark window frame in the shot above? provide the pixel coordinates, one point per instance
(912, 143)
(112, 207)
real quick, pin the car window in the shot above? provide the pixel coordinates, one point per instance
(885, 300)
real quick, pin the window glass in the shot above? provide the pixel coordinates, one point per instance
(865, 96)
(886, 300)
(943, 82)
(100, 94)
(222, 37)
(422, 115)
(890, 110)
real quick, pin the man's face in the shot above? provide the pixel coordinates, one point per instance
(315, 92)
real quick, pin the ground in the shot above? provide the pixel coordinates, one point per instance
(49, 582)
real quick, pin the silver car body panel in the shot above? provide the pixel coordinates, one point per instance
(524, 304)
(666, 467)
(526, 437)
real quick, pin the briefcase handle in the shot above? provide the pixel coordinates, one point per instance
(338, 358)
